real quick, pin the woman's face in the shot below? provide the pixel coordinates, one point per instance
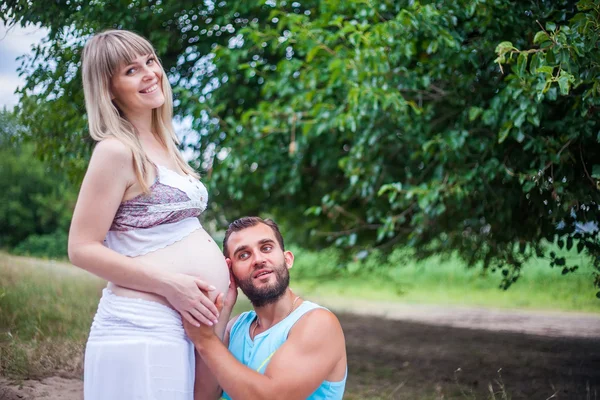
(137, 87)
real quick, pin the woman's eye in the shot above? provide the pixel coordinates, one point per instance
(150, 61)
(130, 71)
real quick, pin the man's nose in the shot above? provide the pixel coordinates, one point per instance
(259, 259)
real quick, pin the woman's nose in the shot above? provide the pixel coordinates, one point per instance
(148, 73)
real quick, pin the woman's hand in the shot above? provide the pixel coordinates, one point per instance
(187, 295)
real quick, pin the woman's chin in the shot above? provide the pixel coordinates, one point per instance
(159, 102)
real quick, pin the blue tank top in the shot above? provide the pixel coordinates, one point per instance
(257, 353)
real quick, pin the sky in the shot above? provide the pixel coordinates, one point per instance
(14, 42)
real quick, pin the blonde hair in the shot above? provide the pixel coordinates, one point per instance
(102, 56)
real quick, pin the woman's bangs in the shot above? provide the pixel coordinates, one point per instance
(124, 50)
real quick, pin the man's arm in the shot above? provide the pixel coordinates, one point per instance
(206, 386)
(314, 346)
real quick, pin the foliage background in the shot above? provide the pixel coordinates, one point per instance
(36, 202)
(461, 133)
(466, 127)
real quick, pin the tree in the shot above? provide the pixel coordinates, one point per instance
(34, 200)
(367, 123)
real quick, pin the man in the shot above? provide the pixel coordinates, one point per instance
(287, 347)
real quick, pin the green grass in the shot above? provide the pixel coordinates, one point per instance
(445, 281)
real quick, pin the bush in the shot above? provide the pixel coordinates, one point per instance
(316, 264)
(52, 245)
(34, 199)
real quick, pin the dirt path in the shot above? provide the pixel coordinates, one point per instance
(391, 359)
(554, 324)
(50, 388)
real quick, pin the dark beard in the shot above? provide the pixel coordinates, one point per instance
(260, 297)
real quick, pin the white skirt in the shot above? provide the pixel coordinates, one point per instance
(137, 350)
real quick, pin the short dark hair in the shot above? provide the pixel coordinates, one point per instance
(248, 222)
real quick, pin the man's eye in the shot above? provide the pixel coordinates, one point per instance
(267, 248)
(243, 256)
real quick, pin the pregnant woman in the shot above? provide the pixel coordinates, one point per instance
(136, 225)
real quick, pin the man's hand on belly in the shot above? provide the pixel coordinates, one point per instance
(203, 334)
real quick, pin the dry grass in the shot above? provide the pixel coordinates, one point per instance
(46, 309)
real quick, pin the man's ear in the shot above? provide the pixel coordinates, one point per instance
(288, 256)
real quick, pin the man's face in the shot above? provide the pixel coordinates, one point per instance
(259, 265)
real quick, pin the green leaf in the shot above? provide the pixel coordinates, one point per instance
(520, 136)
(596, 171)
(546, 69)
(565, 80)
(540, 37)
(518, 122)
(503, 47)
(521, 64)
(536, 62)
(550, 26)
(504, 132)
(395, 187)
(312, 53)
(474, 113)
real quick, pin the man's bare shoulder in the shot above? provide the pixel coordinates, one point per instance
(319, 325)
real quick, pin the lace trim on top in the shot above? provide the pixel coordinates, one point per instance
(172, 198)
(192, 204)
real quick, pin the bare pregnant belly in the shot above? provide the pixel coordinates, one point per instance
(197, 254)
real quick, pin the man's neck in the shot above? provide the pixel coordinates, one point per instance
(271, 314)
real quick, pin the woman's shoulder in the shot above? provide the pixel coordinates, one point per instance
(114, 149)
(114, 157)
